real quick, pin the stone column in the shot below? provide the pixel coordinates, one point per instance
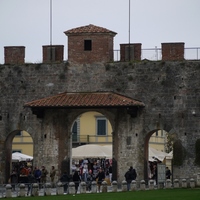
(114, 186)
(8, 190)
(161, 185)
(71, 188)
(83, 188)
(184, 183)
(133, 185)
(47, 189)
(151, 184)
(60, 189)
(168, 184)
(124, 186)
(142, 185)
(192, 183)
(22, 190)
(94, 187)
(104, 186)
(35, 189)
(176, 183)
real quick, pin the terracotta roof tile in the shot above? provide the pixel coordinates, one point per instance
(88, 29)
(85, 99)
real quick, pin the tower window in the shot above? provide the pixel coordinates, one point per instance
(87, 45)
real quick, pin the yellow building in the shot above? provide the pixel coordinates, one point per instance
(158, 140)
(91, 128)
(23, 143)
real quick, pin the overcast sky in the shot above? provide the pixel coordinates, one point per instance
(27, 22)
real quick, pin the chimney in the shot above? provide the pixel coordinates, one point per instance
(53, 53)
(173, 51)
(130, 52)
(14, 54)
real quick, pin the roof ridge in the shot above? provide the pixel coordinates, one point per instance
(85, 99)
(91, 28)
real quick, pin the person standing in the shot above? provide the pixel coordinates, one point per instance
(31, 180)
(44, 173)
(65, 180)
(155, 173)
(110, 172)
(37, 175)
(130, 175)
(168, 173)
(13, 179)
(52, 176)
(90, 178)
(100, 176)
(76, 179)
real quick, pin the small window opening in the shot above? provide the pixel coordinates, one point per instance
(87, 45)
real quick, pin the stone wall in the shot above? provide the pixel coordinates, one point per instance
(170, 91)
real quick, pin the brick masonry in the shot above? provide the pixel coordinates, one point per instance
(134, 54)
(14, 54)
(53, 53)
(102, 48)
(173, 51)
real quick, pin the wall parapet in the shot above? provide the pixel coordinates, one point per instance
(168, 52)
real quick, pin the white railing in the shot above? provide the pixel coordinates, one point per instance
(154, 54)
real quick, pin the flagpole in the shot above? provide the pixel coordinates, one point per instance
(50, 22)
(129, 25)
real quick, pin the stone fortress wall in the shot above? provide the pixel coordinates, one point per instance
(170, 90)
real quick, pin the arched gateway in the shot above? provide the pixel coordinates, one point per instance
(57, 114)
(168, 87)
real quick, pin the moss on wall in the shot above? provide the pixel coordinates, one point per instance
(197, 152)
(179, 153)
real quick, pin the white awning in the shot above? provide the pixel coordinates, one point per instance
(18, 157)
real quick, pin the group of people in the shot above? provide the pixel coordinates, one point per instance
(27, 175)
(85, 170)
(77, 178)
(90, 170)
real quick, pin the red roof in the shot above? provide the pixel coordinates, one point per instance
(88, 29)
(85, 99)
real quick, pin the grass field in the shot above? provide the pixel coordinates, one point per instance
(165, 194)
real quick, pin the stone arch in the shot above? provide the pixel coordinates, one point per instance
(71, 117)
(150, 129)
(8, 152)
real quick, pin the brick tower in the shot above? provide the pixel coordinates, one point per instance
(90, 44)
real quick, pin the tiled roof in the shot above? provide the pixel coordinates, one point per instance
(85, 99)
(88, 29)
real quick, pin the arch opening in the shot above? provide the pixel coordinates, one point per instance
(92, 129)
(18, 141)
(159, 156)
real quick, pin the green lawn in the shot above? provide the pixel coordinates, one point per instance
(163, 194)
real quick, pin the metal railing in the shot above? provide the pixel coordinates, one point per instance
(155, 54)
(91, 139)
